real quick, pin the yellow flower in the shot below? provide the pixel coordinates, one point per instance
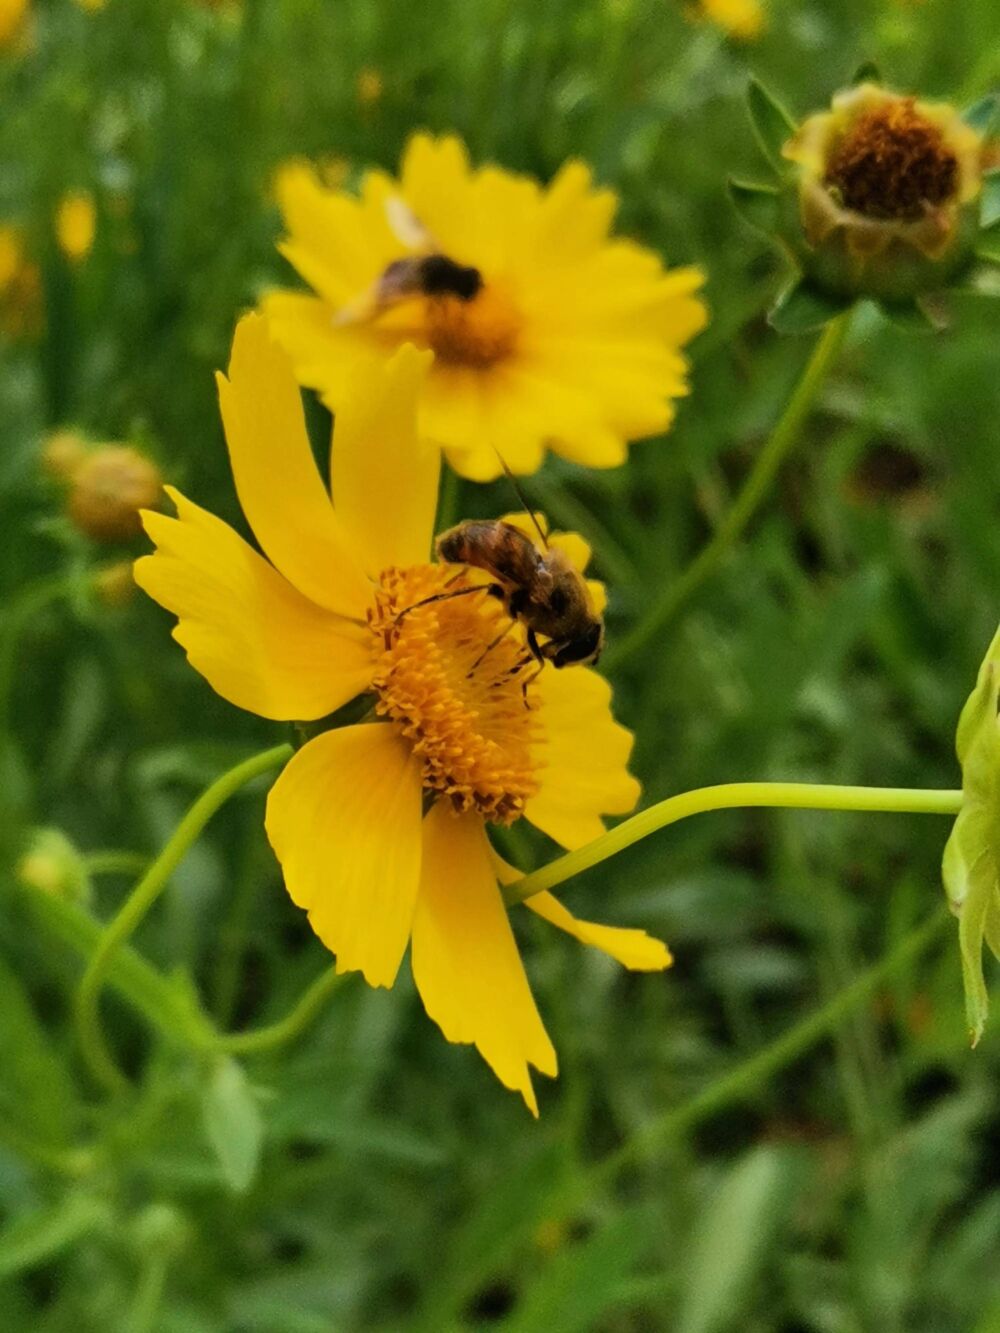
(381, 827)
(546, 331)
(20, 286)
(76, 224)
(12, 14)
(743, 19)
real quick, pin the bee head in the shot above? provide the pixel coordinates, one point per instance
(441, 276)
(583, 649)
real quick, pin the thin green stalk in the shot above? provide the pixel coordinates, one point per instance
(675, 595)
(115, 863)
(145, 1311)
(66, 1161)
(141, 899)
(750, 1074)
(730, 796)
(32, 599)
(269, 1038)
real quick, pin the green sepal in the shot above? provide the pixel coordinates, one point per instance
(801, 308)
(866, 72)
(971, 864)
(759, 205)
(989, 202)
(913, 317)
(771, 123)
(982, 115)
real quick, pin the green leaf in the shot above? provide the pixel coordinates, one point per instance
(41, 1236)
(233, 1124)
(989, 205)
(35, 1087)
(757, 204)
(801, 309)
(733, 1238)
(866, 72)
(771, 123)
(912, 317)
(981, 116)
(971, 864)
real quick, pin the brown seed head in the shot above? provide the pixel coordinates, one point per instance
(893, 163)
(109, 488)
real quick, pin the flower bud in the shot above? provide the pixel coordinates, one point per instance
(76, 225)
(114, 585)
(62, 453)
(109, 488)
(52, 865)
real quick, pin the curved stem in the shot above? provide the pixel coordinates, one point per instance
(288, 1028)
(141, 899)
(730, 796)
(751, 1073)
(755, 488)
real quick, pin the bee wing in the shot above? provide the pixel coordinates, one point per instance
(406, 226)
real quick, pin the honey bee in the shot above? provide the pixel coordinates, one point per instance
(539, 589)
(427, 272)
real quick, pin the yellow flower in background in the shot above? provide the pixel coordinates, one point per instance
(369, 87)
(546, 331)
(76, 224)
(12, 15)
(332, 170)
(21, 313)
(381, 827)
(743, 19)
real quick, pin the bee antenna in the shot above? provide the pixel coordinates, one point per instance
(522, 497)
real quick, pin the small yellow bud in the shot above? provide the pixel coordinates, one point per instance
(369, 87)
(62, 453)
(76, 225)
(743, 20)
(114, 584)
(53, 865)
(20, 285)
(109, 488)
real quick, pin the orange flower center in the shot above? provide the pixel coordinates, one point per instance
(893, 163)
(479, 332)
(451, 673)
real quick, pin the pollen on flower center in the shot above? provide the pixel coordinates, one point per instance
(892, 163)
(477, 332)
(451, 673)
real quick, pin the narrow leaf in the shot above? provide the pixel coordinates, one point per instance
(802, 309)
(982, 115)
(757, 204)
(40, 1236)
(233, 1124)
(772, 124)
(912, 317)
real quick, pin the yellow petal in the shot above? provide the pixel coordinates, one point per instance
(465, 960)
(344, 821)
(632, 948)
(384, 479)
(583, 756)
(256, 640)
(276, 477)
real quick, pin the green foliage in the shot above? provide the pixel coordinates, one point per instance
(370, 1176)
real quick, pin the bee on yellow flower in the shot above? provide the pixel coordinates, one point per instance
(76, 225)
(381, 828)
(547, 331)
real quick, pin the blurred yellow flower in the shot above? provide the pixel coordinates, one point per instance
(743, 19)
(381, 827)
(76, 224)
(331, 170)
(109, 488)
(546, 331)
(369, 87)
(12, 14)
(20, 286)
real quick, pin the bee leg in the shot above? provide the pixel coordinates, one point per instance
(537, 652)
(489, 648)
(530, 680)
(449, 596)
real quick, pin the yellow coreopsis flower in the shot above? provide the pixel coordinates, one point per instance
(76, 224)
(381, 827)
(743, 19)
(546, 331)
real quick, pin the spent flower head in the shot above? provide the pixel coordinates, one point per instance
(108, 488)
(884, 196)
(382, 827)
(547, 331)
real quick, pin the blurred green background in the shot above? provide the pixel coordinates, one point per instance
(370, 1176)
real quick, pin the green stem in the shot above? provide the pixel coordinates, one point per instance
(675, 595)
(115, 863)
(20, 613)
(149, 1294)
(738, 1083)
(141, 899)
(66, 1161)
(288, 1028)
(729, 796)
